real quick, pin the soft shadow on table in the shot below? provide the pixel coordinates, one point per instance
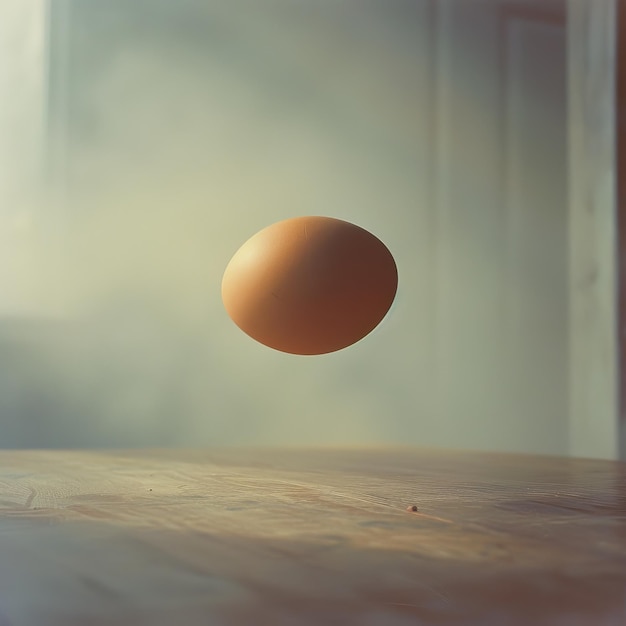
(96, 574)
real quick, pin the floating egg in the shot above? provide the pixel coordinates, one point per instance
(310, 285)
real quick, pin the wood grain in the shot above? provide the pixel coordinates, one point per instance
(310, 536)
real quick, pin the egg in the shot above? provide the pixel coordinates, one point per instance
(310, 285)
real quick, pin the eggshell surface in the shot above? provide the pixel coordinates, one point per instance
(310, 285)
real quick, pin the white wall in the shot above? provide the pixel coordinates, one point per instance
(189, 126)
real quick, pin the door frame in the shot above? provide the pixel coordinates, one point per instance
(620, 126)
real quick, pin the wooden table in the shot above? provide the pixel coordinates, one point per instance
(310, 537)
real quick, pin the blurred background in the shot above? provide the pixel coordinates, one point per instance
(141, 143)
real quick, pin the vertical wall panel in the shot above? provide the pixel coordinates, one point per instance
(22, 109)
(501, 223)
(591, 121)
(535, 254)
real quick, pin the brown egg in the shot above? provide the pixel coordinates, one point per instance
(310, 285)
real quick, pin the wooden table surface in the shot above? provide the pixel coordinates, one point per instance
(310, 536)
